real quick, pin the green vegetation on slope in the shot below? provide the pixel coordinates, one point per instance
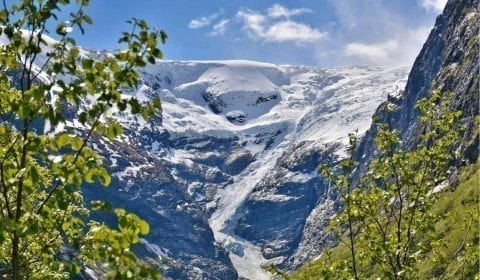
(458, 229)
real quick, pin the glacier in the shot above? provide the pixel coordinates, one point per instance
(242, 140)
(226, 174)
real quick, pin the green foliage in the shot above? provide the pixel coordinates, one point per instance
(457, 230)
(458, 256)
(45, 228)
(391, 225)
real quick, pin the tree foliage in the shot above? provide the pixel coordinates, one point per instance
(386, 224)
(45, 226)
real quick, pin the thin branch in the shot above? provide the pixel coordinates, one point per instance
(414, 207)
(58, 182)
(5, 193)
(62, 43)
(458, 251)
(399, 221)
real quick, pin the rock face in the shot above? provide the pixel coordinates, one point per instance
(144, 186)
(449, 62)
(226, 177)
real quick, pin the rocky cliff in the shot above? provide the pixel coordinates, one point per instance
(449, 62)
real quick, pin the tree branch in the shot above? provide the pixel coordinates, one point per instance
(58, 182)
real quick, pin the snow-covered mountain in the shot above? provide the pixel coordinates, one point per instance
(227, 176)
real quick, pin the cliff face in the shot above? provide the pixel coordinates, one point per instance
(449, 62)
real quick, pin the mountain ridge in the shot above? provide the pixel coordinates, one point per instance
(215, 168)
(448, 62)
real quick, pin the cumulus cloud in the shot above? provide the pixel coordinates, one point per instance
(433, 5)
(362, 32)
(253, 22)
(381, 52)
(200, 22)
(277, 11)
(292, 31)
(373, 32)
(275, 25)
(204, 21)
(400, 50)
(220, 27)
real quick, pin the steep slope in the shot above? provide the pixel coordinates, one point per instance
(453, 204)
(230, 165)
(449, 61)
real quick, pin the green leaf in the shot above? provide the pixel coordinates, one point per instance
(87, 19)
(104, 177)
(63, 140)
(151, 59)
(113, 130)
(98, 205)
(157, 103)
(87, 63)
(120, 212)
(82, 117)
(144, 227)
(65, 226)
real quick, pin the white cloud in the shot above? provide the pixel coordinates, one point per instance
(220, 27)
(401, 50)
(277, 11)
(292, 31)
(200, 22)
(270, 27)
(275, 24)
(373, 32)
(433, 5)
(362, 32)
(253, 22)
(204, 21)
(381, 52)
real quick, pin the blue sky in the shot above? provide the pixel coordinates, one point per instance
(317, 32)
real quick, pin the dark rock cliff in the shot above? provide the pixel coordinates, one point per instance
(449, 62)
(174, 217)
